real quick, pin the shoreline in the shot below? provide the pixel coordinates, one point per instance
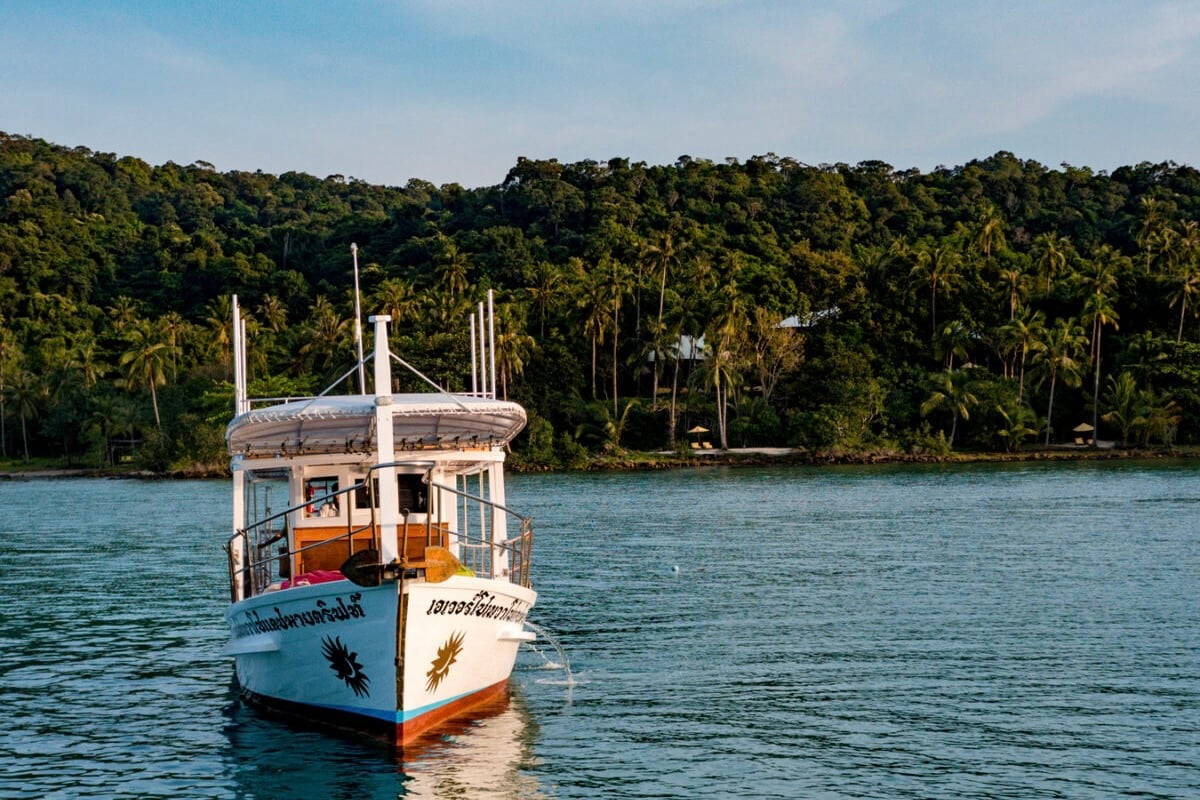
(632, 461)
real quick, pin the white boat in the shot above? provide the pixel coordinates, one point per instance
(378, 581)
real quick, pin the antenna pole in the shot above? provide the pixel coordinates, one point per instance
(483, 384)
(238, 333)
(474, 366)
(358, 337)
(492, 341)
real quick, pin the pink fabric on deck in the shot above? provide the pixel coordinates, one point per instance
(316, 576)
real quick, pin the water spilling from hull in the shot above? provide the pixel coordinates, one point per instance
(563, 663)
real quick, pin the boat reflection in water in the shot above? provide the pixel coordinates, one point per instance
(488, 756)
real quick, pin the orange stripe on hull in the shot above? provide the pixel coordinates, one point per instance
(410, 731)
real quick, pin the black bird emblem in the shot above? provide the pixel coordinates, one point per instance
(345, 664)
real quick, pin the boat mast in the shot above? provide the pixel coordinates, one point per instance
(389, 550)
(492, 341)
(358, 338)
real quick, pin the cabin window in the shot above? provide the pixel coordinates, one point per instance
(315, 489)
(411, 493)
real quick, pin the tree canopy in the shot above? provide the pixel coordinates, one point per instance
(843, 306)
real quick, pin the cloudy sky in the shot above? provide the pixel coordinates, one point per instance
(455, 91)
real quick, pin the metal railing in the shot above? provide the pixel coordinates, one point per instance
(258, 573)
(479, 552)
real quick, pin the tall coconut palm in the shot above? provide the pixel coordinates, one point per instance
(1019, 337)
(593, 303)
(1051, 253)
(545, 290)
(1187, 287)
(273, 313)
(219, 319)
(1098, 313)
(395, 297)
(123, 313)
(26, 391)
(663, 256)
(173, 327)
(145, 360)
(1058, 356)
(953, 340)
(616, 277)
(1014, 283)
(452, 266)
(514, 347)
(937, 266)
(727, 335)
(989, 231)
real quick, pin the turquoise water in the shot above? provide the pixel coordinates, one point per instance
(989, 631)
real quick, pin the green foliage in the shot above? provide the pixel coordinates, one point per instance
(1038, 284)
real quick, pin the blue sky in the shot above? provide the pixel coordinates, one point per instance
(455, 91)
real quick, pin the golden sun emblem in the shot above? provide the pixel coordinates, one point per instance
(446, 655)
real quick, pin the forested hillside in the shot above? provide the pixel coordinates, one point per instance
(995, 305)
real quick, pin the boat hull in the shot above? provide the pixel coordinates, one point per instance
(395, 660)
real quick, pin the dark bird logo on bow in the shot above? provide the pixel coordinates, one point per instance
(447, 654)
(345, 664)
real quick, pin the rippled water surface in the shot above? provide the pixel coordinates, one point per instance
(990, 631)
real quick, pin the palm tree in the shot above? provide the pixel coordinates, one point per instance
(1123, 400)
(146, 360)
(1019, 420)
(1162, 415)
(954, 340)
(173, 327)
(989, 231)
(1019, 336)
(616, 286)
(1187, 287)
(595, 320)
(84, 358)
(219, 318)
(26, 391)
(937, 265)
(1098, 312)
(1154, 221)
(727, 333)
(7, 353)
(545, 291)
(323, 335)
(452, 266)
(123, 313)
(1014, 281)
(514, 347)
(951, 390)
(273, 313)
(1058, 356)
(1051, 254)
(662, 257)
(395, 297)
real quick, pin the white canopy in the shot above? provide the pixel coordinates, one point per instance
(346, 423)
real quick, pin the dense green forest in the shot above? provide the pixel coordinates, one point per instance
(994, 306)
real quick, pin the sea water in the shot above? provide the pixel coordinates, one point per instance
(1017, 631)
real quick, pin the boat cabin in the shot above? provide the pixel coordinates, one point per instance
(301, 522)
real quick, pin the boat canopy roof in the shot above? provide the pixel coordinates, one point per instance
(346, 424)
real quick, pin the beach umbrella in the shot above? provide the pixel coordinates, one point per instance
(699, 429)
(1083, 427)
